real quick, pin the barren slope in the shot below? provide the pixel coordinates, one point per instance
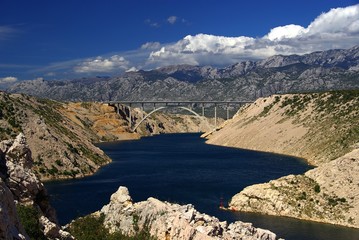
(319, 127)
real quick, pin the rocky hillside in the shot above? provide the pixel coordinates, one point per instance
(328, 70)
(24, 208)
(320, 127)
(163, 220)
(61, 135)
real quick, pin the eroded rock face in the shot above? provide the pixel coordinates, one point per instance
(23, 183)
(19, 184)
(10, 226)
(328, 193)
(172, 221)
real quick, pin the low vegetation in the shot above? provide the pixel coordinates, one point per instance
(92, 228)
(29, 218)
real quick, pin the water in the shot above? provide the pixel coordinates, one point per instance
(181, 168)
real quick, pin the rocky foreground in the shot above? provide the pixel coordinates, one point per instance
(320, 127)
(166, 220)
(21, 192)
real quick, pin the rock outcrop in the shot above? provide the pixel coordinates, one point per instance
(172, 221)
(21, 186)
(10, 226)
(328, 193)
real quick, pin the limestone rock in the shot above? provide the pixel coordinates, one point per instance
(328, 193)
(22, 181)
(172, 221)
(20, 184)
(10, 226)
(53, 231)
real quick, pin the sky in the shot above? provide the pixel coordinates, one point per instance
(66, 39)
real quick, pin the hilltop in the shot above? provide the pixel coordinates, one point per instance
(327, 70)
(323, 128)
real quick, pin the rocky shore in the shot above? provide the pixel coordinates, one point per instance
(320, 127)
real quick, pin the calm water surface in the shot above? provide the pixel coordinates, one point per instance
(181, 168)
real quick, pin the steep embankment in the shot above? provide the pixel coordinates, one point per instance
(61, 135)
(319, 127)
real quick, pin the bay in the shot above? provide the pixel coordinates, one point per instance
(181, 168)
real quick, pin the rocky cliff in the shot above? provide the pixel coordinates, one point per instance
(62, 135)
(321, 127)
(21, 193)
(327, 70)
(165, 220)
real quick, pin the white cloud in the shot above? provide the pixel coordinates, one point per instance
(100, 64)
(7, 80)
(172, 19)
(151, 45)
(338, 20)
(338, 28)
(288, 31)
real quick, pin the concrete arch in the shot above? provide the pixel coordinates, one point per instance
(160, 108)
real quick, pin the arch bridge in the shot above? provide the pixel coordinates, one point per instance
(186, 105)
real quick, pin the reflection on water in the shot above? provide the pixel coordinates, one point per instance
(181, 168)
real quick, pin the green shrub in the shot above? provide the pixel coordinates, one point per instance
(59, 163)
(92, 228)
(317, 188)
(29, 218)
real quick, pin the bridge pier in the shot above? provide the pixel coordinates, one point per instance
(215, 115)
(202, 109)
(129, 115)
(227, 111)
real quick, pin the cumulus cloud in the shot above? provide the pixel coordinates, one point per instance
(282, 32)
(100, 64)
(7, 80)
(172, 19)
(338, 28)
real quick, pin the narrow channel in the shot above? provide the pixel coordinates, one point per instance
(181, 168)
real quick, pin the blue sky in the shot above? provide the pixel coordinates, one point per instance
(72, 38)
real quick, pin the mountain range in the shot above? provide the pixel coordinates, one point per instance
(318, 71)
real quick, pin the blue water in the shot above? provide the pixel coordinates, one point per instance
(181, 168)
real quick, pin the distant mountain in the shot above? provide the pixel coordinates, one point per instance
(317, 71)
